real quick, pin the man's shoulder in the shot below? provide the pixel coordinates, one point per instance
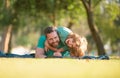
(63, 28)
(42, 37)
(41, 41)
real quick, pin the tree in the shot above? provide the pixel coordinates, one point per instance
(89, 11)
(6, 22)
(107, 20)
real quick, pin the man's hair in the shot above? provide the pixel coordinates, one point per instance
(49, 30)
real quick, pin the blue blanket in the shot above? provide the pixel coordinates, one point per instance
(9, 55)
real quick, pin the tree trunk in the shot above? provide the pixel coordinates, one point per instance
(2, 41)
(91, 24)
(95, 34)
(70, 25)
(7, 38)
(54, 19)
(54, 10)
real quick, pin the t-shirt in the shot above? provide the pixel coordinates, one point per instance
(63, 34)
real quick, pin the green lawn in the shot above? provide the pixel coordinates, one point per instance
(58, 68)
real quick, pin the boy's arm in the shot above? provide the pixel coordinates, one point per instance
(57, 50)
(47, 47)
(54, 49)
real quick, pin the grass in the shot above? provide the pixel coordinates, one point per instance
(58, 68)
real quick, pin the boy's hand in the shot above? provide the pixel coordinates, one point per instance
(57, 54)
(60, 50)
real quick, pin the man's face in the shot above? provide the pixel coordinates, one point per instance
(53, 39)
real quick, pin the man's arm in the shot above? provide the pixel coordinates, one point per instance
(39, 53)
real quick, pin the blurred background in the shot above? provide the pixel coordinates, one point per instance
(23, 21)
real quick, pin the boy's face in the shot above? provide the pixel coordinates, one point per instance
(71, 43)
(53, 39)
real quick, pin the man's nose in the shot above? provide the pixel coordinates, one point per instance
(54, 40)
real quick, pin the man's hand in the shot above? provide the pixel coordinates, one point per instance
(39, 53)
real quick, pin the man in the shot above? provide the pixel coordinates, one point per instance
(53, 40)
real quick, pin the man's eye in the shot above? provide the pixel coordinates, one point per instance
(55, 37)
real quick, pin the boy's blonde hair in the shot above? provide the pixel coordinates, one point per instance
(81, 43)
(83, 46)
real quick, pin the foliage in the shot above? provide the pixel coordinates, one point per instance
(32, 16)
(105, 20)
(22, 40)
